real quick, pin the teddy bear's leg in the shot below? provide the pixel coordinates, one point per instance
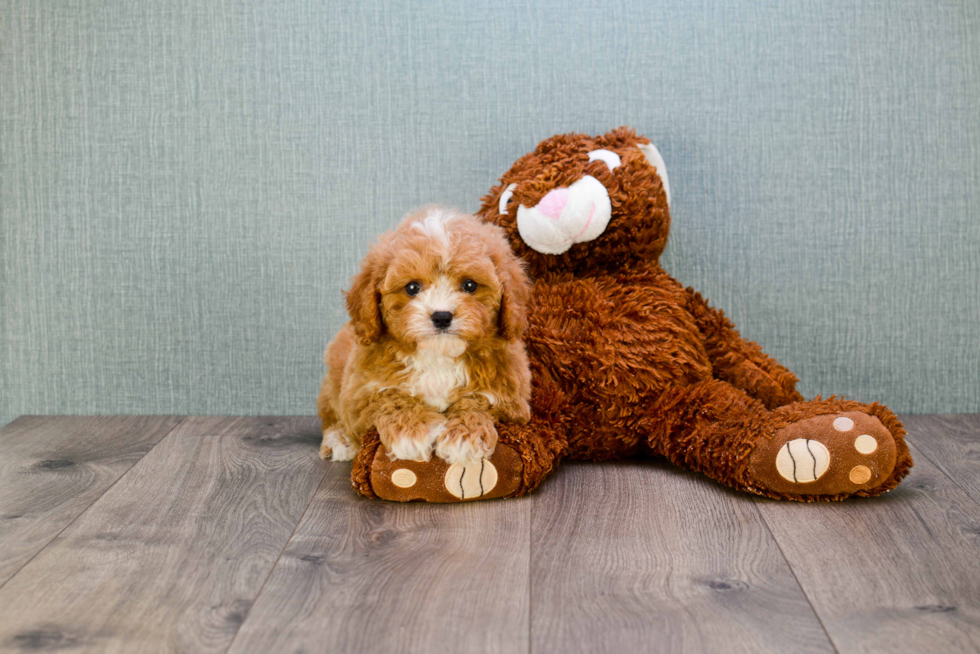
(541, 447)
(740, 362)
(807, 451)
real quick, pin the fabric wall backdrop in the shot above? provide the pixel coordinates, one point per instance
(187, 186)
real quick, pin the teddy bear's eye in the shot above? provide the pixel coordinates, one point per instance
(505, 198)
(608, 157)
(413, 288)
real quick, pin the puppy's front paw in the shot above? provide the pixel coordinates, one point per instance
(335, 446)
(409, 440)
(467, 439)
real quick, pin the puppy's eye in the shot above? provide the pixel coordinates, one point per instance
(608, 157)
(505, 198)
(470, 286)
(413, 288)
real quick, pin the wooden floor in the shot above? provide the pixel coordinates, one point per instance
(229, 534)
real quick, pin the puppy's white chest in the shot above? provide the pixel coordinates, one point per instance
(433, 376)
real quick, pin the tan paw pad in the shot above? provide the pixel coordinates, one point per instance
(802, 461)
(403, 478)
(860, 474)
(471, 480)
(865, 444)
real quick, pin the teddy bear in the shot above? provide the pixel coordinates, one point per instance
(627, 362)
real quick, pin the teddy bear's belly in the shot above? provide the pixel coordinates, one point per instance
(616, 350)
(618, 391)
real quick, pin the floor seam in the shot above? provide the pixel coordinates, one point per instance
(792, 571)
(95, 501)
(530, 574)
(943, 472)
(275, 563)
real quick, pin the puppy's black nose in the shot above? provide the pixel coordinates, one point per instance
(441, 319)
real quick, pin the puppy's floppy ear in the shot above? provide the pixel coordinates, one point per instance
(364, 296)
(515, 288)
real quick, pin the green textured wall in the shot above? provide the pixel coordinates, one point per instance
(186, 187)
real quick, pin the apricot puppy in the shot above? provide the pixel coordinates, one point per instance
(432, 354)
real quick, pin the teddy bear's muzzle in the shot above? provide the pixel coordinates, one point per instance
(565, 216)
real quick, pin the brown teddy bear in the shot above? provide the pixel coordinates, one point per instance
(625, 361)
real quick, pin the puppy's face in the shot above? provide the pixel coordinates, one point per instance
(441, 280)
(440, 285)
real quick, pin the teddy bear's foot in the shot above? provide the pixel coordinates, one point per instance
(835, 454)
(437, 481)
(524, 456)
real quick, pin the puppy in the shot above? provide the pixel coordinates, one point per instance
(432, 354)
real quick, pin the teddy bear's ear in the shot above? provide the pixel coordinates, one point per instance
(652, 154)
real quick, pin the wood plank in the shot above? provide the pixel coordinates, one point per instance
(173, 555)
(370, 576)
(952, 443)
(53, 468)
(896, 573)
(641, 556)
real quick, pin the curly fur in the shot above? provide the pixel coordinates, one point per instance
(420, 387)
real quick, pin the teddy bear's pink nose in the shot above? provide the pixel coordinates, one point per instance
(552, 204)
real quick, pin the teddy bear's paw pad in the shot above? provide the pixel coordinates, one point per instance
(802, 461)
(499, 475)
(404, 478)
(826, 455)
(471, 480)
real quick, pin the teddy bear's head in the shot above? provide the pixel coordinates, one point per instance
(581, 203)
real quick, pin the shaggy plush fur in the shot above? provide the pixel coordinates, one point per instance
(636, 364)
(432, 355)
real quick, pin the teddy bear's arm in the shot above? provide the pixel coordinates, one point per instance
(741, 362)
